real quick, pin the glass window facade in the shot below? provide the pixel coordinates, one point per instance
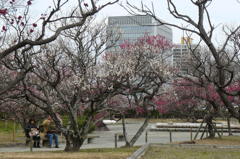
(130, 28)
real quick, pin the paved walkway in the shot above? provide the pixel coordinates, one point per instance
(106, 139)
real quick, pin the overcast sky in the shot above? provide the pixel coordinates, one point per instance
(223, 12)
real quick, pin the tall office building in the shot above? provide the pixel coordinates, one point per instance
(182, 55)
(130, 28)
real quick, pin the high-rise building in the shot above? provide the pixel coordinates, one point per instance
(182, 55)
(130, 28)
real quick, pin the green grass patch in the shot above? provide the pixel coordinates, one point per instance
(11, 132)
(159, 152)
(225, 140)
(9, 125)
(105, 153)
(9, 137)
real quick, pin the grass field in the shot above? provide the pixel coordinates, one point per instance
(225, 140)
(11, 132)
(156, 152)
(10, 138)
(191, 153)
(119, 153)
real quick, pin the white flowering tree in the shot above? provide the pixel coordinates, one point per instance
(140, 69)
(23, 36)
(22, 31)
(67, 77)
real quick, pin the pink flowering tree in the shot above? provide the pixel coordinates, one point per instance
(189, 97)
(12, 102)
(220, 66)
(20, 110)
(201, 99)
(140, 69)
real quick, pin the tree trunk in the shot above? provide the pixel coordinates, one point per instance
(208, 119)
(139, 133)
(73, 144)
(228, 105)
(229, 126)
(127, 144)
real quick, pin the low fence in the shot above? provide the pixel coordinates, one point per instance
(219, 128)
(187, 127)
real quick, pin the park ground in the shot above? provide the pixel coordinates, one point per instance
(12, 133)
(7, 138)
(227, 150)
(156, 152)
(106, 153)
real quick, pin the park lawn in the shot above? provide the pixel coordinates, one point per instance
(7, 134)
(225, 140)
(159, 152)
(106, 153)
(6, 137)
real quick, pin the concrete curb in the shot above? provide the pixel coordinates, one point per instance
(140, 152)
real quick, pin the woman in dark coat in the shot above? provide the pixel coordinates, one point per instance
(33, 131)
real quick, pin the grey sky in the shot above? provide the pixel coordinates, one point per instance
(223, 12)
